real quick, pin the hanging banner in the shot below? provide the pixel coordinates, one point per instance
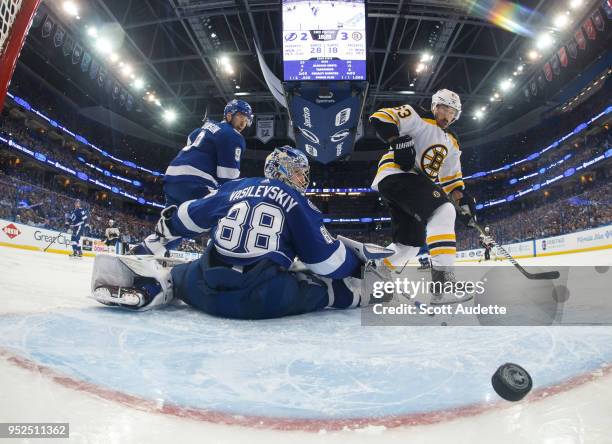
(325, 117)
(116, 90)
(93, 69)
(572, 48)
(58, 37)
(101, 76)
(533, 86)
(526, 93)
(68, 45)
(589, 29)
(607, 5)
(122, 97)
(37, 20)
(562, 53)
(85, 62)
(548, 71)
(108, 86)
(47, 28)
(598, 20)
(265, 128)
(541, 83)
(556, 67)
(580, 39)
(129, 102)
(76, 54)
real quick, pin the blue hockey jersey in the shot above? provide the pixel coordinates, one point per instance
(256, 218)
(211, 156)
(77, 218)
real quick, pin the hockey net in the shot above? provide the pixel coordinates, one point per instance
(15, 19)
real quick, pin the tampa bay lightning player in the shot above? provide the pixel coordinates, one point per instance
(258, 226)
(210, 158)
(76, 223)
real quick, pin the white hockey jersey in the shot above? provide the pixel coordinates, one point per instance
(112, 233)
(437, 151)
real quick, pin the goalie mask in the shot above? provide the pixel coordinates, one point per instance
(289, 165)
(448, 98)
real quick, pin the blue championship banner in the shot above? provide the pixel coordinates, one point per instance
(325, 117)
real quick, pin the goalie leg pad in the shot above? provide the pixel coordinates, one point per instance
(366, 252)
(139, 282)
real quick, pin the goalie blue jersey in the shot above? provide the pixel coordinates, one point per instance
(256, 218)
(211, 156)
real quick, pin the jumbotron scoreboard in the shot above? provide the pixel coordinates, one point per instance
(324, 40)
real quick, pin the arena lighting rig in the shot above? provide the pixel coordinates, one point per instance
(579, 129)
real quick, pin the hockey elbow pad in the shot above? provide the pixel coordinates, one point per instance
(384, 130)
(404, 153)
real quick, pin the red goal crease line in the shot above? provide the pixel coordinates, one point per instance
(294, 424)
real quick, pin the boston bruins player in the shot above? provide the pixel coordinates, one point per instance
(486, 242)
(419, 213)
(111, 237)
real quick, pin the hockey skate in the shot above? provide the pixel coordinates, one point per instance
(132, 282)
(443, 283)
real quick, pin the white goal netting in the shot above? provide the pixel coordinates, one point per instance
(8, 13)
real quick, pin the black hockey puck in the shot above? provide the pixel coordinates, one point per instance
(511, 382)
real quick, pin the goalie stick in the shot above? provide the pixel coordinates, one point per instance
(546, 275)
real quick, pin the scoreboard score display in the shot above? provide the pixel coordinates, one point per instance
(324, 40)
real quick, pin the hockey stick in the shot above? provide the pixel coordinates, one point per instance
(52, 242)
(546, 275)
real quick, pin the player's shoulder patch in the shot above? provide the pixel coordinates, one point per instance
(313, 206)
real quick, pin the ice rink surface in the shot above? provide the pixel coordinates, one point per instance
(177, 375)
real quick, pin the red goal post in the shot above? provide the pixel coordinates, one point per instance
(15, 20)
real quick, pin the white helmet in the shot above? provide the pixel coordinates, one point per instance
(448, 98)
(487, 229)
(111, 222)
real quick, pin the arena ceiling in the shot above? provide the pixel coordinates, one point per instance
(178, 44)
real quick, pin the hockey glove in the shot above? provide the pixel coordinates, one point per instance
(467, 203)
(403, 152)
(156, 243)
(162, 229)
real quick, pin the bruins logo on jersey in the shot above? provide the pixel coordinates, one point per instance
(432, 160)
